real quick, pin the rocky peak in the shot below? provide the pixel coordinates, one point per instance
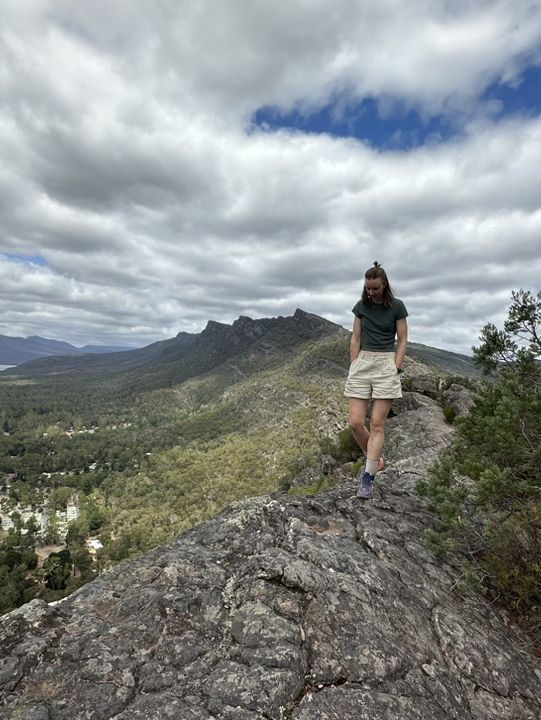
(317, 323)
(212, 327)
(247, 330)
(280, 608)
(302, 315)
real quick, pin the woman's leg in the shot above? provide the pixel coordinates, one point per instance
(356, 420)
(380, 410)
(376, 437)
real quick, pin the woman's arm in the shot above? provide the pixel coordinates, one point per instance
(402, 344)
(355, 344)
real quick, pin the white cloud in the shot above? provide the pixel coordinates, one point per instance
(127, 165)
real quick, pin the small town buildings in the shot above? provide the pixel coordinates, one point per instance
(93, 545)
(42, 517)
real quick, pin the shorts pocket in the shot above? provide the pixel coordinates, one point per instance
(391, 368)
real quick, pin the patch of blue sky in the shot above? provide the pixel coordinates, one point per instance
(397, 130)
(28, 259)
(522, 97)
(400, 128)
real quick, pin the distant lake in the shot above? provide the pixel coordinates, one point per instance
(5, 367)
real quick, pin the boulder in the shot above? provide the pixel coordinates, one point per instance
(459, 398)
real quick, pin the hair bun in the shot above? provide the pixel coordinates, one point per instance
(376, 264)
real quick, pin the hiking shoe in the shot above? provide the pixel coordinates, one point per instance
(366, 486)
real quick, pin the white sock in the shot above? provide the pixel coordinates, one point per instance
(371, 467)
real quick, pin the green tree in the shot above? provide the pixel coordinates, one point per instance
(82, 560)
(17, 521)
(59, 497)
(17, 558)
(57, 570)
(94, 516)
(52, 533)
(77, 533)
(32, 529)
(518, 345)
(487, 488)
(12, 588)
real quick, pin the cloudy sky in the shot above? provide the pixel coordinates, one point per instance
(169, 162)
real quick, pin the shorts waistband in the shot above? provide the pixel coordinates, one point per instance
(364, 353)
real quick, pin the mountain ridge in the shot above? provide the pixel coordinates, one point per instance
(168, 362)
(448, 360)
(219, 341)
(18, 350)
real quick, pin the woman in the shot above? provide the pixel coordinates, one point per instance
(375, 368)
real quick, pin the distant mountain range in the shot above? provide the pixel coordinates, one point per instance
(17, 350)
(187, 355)
(451, 362)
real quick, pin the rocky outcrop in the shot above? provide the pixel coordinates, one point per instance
(417, 434)
(459, 398)
(300, 608)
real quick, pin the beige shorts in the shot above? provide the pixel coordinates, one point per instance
(373, 375)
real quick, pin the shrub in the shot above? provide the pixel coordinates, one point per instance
(348, 448)
(514, 558)
(486, 489)
(449, 414)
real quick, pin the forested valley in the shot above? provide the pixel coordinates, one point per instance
(145, 465)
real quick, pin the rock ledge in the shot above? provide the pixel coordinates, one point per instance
(280, 608)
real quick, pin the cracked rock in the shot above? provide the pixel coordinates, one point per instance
(297, 609)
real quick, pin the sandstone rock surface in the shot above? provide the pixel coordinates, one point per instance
(459, 398)
(325, 608)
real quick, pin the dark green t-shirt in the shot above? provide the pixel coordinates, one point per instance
(378, 324)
